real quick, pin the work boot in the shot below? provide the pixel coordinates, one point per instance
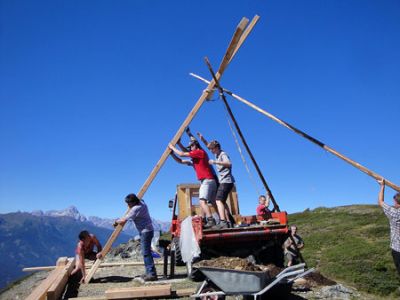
(149, 277)
(222, 225)
(210, 223)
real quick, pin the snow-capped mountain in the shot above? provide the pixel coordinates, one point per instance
(74, 213)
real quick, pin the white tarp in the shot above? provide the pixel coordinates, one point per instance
(187, 242)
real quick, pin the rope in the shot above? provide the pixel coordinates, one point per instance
(242, 156)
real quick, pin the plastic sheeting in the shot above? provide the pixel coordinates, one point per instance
(187, 242)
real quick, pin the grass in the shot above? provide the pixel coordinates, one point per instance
(351, 245)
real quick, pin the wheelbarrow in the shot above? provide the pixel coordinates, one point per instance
(221, 282)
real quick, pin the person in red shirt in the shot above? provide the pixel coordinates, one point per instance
(262, 208)
(208, 186)
(85, 250)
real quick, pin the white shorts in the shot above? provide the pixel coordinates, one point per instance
(208, 189)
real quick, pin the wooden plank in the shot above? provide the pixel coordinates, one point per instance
(182, 204)
(32, 269)
(62, 261)
(241, 40)
(308, 137)
(235, 201)
(57, 287)
(139, 292)
(236, 42)
(40, 291)
(183, 292)
(94, 267)
(132, 263)
(88, 266)
(188, 202)
(245, 34)
(90, 298)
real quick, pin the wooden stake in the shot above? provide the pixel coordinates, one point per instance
(308, 137)
(235, 43)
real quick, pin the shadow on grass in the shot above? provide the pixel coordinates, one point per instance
(111, 279)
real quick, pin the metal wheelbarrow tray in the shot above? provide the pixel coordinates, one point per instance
(237, 282)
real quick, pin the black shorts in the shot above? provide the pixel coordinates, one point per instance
(91, 255)
(396, 259)
(223, 191)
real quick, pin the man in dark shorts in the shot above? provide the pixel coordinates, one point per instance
(225, 178)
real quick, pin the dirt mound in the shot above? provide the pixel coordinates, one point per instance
(271, 269)
(234, 263)
(312, 280)
(318, 279)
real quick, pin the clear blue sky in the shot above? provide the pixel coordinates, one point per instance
(92, 92)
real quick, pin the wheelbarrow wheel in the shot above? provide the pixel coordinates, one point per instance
(209, 288)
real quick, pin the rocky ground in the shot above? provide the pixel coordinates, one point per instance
(313, 286)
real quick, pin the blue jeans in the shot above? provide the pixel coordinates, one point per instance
(145, 243)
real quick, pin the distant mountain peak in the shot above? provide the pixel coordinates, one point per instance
(73, 212)
(70, 211)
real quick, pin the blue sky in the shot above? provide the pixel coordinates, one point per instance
(92, 92)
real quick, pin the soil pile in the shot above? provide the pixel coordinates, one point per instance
(233, 263)
(317, 279)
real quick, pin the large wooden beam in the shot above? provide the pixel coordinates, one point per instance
(139, 292)
(40, 292)
(227, 60)
(231, 51)
(57, 287)
(308, 137)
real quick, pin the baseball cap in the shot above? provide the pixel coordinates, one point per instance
(193, 142)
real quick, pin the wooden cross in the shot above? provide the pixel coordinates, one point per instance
(240, 35)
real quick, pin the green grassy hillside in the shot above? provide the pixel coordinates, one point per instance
(351, 245)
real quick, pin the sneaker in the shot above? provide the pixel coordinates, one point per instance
(210, 223)
(148, 277)
(222, 225)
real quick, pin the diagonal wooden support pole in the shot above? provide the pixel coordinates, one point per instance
(306, 136)
(239, 131)
(236, 42)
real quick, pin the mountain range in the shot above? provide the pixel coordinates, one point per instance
(38, 238)
(74, 213)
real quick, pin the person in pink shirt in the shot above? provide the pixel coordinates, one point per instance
(262, 208)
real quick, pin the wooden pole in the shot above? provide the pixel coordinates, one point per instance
(308, 137)
(88, 266)
(276, 206)
(235, 44)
